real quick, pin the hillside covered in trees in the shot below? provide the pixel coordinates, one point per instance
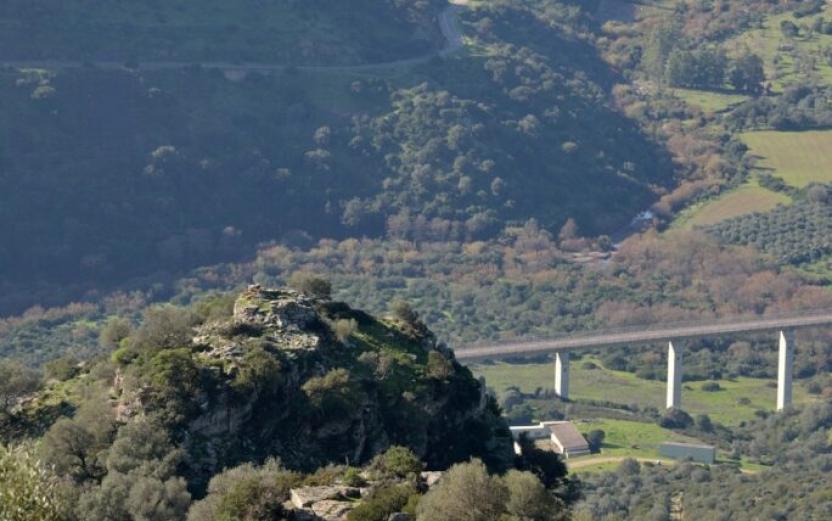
(345, 410)
(136, 174)
(318, 32)
(162, 163)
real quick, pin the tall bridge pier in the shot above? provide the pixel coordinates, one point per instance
(674, 376)
(673, 337)
(785, 368)
(562, 374)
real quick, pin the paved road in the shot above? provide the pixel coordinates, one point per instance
(447, 24)
(644, 335)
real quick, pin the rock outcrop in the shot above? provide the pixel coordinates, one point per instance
(273, 379)
(307, 496)
(335, 502)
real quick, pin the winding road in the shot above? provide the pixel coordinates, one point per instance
(644, 335)
(447, 24)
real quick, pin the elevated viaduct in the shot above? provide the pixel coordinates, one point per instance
(669, 335)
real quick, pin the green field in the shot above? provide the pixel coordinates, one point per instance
(638, 440)
(798, 157)
(630, 439)
(747, 198)
(771, 45)
(625, 388)
(709, 101)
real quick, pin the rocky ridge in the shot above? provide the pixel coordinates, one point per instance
(275, 380)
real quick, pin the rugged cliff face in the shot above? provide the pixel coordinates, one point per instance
(312, 382)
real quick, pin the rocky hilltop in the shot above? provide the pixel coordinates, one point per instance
(312, 382)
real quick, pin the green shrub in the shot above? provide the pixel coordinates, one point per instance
(335, 394)
(465, 493)
(352, 478)
(215, 307)
(172, 377)
(311, 284)
(438, 367)
(404, 312)
(62, 368)
(398, 462)
(704, 423)
(114, 331)
(16, 381)
(28, 490)
(259, 370)
(251, 500)
(163, 327)
(675, 419)
(326, 475)
(246, 493)
(595, 438)
(123, 355)
(345, 327)
(383, 502)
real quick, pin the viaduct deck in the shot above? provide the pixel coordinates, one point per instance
(644, 335)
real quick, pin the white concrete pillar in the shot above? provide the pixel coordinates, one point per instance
(562, 374)
(674, 376)
(785, 364)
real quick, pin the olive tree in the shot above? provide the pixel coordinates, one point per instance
(16, 381)
(28, 490)
(140, 484)
(311, 284)
(528, 499)
(466, 493)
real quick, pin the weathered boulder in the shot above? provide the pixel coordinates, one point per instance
(275, 308)
(307, 496)
(331, 510)
(430, 478)
(399, 516)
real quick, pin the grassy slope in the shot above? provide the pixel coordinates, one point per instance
(798, 157)
(626, 388)
(709, 101)
(233, 124)
(631, 439)
(780, 66)
(748, 198)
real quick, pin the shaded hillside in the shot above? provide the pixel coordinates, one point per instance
(114, 175)
(320, 32)
(286, 375)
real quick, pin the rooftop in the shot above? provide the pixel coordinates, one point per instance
(567, 435)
